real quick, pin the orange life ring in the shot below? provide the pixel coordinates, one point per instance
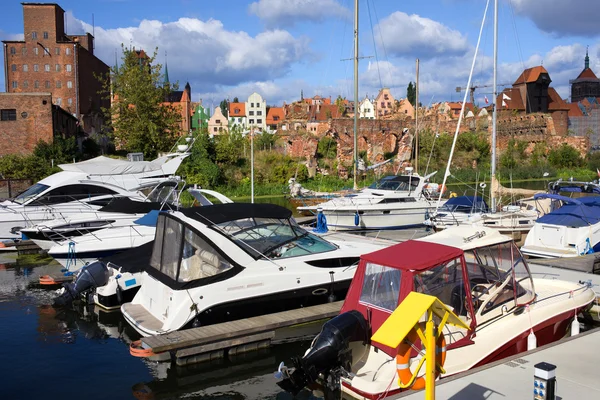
(403, 358)
(136, 350)
(47, 280)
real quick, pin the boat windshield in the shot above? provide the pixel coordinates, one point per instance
(396, 183)
(30, 193)
(274, 238)
(465, 204)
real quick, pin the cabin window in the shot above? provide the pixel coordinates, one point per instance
(68, 193)
(381, 287)
(171, 251)
(199, 259)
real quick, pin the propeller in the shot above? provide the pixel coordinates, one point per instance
(282, 371)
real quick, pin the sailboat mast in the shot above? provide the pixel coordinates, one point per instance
(417, 119)
(356, 107)
(495, 105)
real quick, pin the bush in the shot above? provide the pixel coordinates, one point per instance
(565, 157)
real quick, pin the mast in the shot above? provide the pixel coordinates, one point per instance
(355, 92)
(495, 106)
(417, 120)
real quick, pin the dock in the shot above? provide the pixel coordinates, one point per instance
(512, 378)
(231, 338)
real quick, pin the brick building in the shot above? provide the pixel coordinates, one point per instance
(49, 60)
(27, 118)
(586, 84)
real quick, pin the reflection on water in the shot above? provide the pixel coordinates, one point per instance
(82, 352)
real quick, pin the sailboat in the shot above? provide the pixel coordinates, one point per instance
(393, 202)
(516, 219)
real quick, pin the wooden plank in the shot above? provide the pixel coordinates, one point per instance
(190, 351)
(245, 327)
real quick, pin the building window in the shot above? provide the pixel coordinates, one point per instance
(24, 51)
(8, 114)
(68, 67)
(240, 120)
(215, 129)
(13, 67)
(13, 50)
(57, 66)
(45, 35)
(251, 104)
(57, 51)
(259, 121)
(15, 84)
(47, 67)
(70, 101)
(68, 51)
(251, 121)
(47, 84)
(250, 112)
(25, 68)
(35, 51)
(58, 84)
(34, 35)
(36, 84)
(36, 68)
(58, 101)
(25, 84)
(259, 113)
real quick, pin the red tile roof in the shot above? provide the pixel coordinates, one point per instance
(275, 115)
(515, 102)
(587, 73)
(555, 102)
(530, 75)
(324, 112)
(237, 109)
(574, 110)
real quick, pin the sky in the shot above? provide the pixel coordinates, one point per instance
(282, 48)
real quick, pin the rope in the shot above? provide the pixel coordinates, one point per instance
(71, 256)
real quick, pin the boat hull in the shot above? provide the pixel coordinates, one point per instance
(377, 218)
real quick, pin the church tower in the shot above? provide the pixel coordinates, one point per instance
(587, 83)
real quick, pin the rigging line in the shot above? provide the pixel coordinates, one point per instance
(382, 44)
(462, 108)
(374, 46)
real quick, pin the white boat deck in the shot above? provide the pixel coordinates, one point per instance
(576, 374)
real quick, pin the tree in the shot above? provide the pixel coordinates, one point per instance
(224, 108)
(411, 93)
(235, 100)
(139, 119)
(341, 106)
(565, 157)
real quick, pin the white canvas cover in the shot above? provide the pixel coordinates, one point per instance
(109, 166)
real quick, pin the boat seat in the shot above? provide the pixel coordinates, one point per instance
(201, 264)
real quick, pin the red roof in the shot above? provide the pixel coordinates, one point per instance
(555, 101)
(587, 73)
(273, 113)
(515, 102)
(530, 75)
(237, 109)
(413, 255)
(574, 110)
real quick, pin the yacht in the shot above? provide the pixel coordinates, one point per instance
(571, 230)
(393, 202)
(474, 271)
(455, 211)
(83, 187)
(231, 261)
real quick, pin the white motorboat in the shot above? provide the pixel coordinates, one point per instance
(571, 230)
(476, 272)
(393, 202)
(83, 187)
(232, 261)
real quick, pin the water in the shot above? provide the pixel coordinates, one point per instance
(79, 353)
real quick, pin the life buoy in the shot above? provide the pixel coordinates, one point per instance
(403, 358)
(136, 350)
(452, 195)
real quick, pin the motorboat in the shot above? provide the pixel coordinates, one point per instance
(119, 212)
(476, 272)
(456, 210)
(393, 202)
(571, 230)
(232, 261)
(83, 187)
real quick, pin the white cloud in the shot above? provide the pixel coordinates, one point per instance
(285, 13)
(562, 18)
(211, 56)
(414, 36)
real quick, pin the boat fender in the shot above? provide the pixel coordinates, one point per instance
(403, 359)
(575, 326)
(531, 341)
(118, 290)
(356, 219)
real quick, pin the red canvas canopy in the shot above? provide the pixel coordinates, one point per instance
(413, 255)
(410, 257)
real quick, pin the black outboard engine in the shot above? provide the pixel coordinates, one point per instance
(330, 350)
(90, 276)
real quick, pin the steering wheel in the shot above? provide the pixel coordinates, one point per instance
(481, 289)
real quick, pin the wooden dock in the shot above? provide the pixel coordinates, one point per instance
(229, 338)
(27, 247)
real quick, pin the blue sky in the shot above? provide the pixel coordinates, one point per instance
(282, 47)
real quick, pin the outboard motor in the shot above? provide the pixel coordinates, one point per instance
(90, 276)
(330, 351)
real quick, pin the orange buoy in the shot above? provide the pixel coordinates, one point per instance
(47, 280)
(136, 350)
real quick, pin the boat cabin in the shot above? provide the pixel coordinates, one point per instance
(480, 284)
(402, 183)
(464, 204)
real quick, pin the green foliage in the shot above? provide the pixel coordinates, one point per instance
(139, 120)
(514, 154)
(327, 148)
(411, 93)
(264, 141)
(61, 150)
(539, 154)
(224, 105)
(565, 156)
(593, 161)
(229, 147)
(339, 102)
(236, 100)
